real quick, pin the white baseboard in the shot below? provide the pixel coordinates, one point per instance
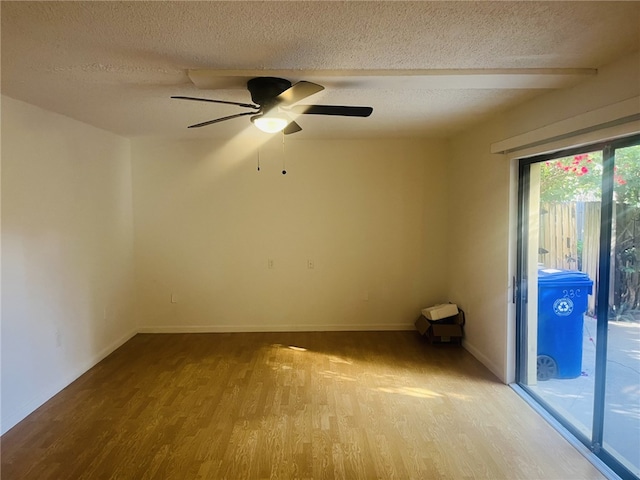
(105, 352)
(12, 418)
(484, 360)
(273, 328)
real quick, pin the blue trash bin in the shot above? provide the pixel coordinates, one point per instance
(562, 303)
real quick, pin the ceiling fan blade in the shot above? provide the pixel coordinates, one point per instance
(217, 120)
(340, 110)
(293, 127)
(299, 91)
(246, 105)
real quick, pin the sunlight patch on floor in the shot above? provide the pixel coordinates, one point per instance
(297, 349)
(410, 391)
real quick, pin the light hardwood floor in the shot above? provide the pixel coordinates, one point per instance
(352, 405)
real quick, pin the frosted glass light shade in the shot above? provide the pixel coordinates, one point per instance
(269, 124)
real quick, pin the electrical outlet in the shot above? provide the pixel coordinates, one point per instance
(270, 263)
(174, 298)
(310, 264)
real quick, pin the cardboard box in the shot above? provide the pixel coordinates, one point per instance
(440, 334)
(440, 311)
(443, 331)
(422, 324)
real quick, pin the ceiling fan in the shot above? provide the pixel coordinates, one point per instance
(274, 98)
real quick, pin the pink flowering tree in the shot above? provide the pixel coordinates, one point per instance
(569, 179)
(578, 178)
(627, 176)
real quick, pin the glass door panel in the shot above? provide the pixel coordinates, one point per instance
(562, 261)
(578, 295)
(621, 432)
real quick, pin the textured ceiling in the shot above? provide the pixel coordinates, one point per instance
(427, 68)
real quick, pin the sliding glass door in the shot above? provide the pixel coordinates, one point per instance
(578, 304)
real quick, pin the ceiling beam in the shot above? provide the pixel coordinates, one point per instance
(522, 78)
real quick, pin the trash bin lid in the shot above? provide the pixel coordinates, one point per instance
(555, 277)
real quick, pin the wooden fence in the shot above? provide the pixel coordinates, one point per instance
(570, 239)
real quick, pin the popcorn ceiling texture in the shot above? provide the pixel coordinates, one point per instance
(115, 64)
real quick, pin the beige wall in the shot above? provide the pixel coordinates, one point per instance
(479, 242)
(482, 199)
(369, 215)
(66, 252)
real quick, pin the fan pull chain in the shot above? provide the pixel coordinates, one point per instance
(258, 159)
(284, 170)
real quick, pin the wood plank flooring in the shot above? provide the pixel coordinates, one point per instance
(330, 405)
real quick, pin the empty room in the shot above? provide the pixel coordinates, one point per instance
(230, 230)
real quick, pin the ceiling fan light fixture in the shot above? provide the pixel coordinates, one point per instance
(274, 98)
(270, 123)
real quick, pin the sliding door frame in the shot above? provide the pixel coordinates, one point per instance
(521, 299)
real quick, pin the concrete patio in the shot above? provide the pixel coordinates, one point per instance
(573, 398)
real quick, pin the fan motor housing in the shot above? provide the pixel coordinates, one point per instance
(264, 90)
